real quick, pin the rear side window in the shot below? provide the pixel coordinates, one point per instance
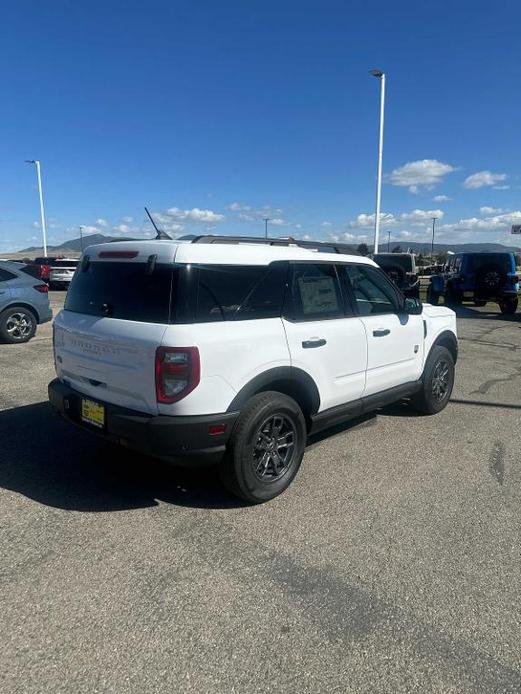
(500, 261)
(229, 292)
(128, 291)
(6, 275)
(314, 292)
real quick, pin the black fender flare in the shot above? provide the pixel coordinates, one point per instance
(289, 380)
(445, 339)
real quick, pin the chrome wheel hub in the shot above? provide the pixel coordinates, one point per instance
(274, 448)
(440, 380)
(19, 325)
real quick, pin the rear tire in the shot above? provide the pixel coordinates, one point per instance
(265, 449)
(437, 382)
(17, 324)
(508, 306)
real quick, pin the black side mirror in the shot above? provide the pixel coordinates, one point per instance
(412, 306)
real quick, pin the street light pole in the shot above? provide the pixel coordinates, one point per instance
(432, 242)
(81, 238)
(40, 192)
(388, 241)
(266, 220)
(381, 75)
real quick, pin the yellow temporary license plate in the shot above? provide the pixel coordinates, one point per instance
(93, 413)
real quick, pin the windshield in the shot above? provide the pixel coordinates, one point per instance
(128, 291)
(503, 261)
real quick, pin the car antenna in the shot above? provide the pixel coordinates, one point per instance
(160, 234)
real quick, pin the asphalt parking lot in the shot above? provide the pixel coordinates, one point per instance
(392, 564)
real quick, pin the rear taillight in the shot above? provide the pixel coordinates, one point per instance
(178, 372)
(43, 288)
(45, 271)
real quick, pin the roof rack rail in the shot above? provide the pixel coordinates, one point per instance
(320, 246)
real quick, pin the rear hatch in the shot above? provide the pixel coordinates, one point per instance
(62, 270)
(115, 315)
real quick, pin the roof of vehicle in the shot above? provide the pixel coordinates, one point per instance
(394, 255)
(183, 251)
(485, 253)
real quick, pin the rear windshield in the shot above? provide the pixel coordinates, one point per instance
(64, 263)
(502, 261)
(128, 291)
(387, 261)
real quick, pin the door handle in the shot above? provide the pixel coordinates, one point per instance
(310, 344)
(381, 333)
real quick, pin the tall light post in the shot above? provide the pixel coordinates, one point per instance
(81, 238)
(388, 241)
(266, 220)
(40, 192)
(432, 242)
(381, 76)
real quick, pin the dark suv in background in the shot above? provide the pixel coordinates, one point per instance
(477, 277)
(401, 268)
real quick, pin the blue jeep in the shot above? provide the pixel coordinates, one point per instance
(477, 277)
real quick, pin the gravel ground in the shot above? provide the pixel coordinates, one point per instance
(392, 564)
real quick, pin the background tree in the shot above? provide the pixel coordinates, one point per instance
(363, 249)
(397, 249)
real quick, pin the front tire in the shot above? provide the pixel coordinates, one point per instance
(508, 306)
(437, 382)
(265, 449)
(17, 324)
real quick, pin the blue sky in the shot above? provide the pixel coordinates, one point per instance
(216, 114)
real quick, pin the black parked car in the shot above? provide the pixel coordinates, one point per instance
(401, 268)
(477, 277)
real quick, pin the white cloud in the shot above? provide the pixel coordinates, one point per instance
(365, 220)
(500, 187)
(36, 225)
(121, 229)
(424, 173)
(237, 207)
(326, 224)
(490, 210)
(102, 222)
(194, 215)
(483, 178)
(441, 198)
(492, 223)
(421, 215)
(128, 220)
(88, 229)
(278, 222)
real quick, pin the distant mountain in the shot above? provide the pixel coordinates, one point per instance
(75, 244)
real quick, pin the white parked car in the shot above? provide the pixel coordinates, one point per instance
(234, 353)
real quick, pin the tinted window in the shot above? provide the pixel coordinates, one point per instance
(228, 292)
(64, 263)
(388, 260)
(371, 289)
(122, 290)
(314, 292)
(6, 275)
(502, 261)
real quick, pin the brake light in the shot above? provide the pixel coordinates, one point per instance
(178, 372)
(117, 254)
(45, 271)
(43, 288)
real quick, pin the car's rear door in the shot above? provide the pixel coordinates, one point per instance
(394, 339)
(325, 339)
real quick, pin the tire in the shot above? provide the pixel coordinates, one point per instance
(452, 298)
(427, 400)
(252, 468)
(479, 303)
(508, 306)
(17, 324)
(433, 297)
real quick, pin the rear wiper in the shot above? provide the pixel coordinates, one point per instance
(107, 309)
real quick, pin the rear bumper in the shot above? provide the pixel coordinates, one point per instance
(44, 315)
(183, 440)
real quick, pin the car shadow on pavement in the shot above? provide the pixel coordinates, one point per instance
(49, 460)
(489, 312)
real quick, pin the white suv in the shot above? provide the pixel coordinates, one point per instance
(236, 352)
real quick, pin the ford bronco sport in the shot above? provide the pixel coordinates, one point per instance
(235, 353)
